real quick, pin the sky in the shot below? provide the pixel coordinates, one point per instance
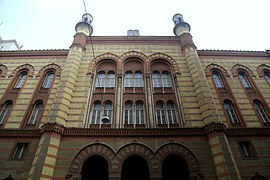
(215, 24)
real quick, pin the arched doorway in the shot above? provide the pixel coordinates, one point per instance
(135, 168)
(175, 168)
(95, 168)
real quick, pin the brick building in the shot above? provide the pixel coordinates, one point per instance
(134, 107)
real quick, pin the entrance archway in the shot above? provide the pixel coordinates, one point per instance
(174, 168)
(95, 168)
(135, 168)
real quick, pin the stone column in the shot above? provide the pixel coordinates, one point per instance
(151, 113)
(118, 102)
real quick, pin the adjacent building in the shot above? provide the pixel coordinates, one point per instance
(134, 107)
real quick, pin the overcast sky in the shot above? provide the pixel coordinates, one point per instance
(215, 24)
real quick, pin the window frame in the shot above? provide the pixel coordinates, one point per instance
(244, 79)
(246, 149)
(231, 113)
(261, 113)
(139, 114)
(218, 80)
(171, 113)
(161, 112)
(36, 113)
(48, 81)
(23, 150)
(20, 81)
(266, 75)
(7, 112)
(128, 113)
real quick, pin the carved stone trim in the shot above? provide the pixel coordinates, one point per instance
(262, 68)
(27, 66)
(90, 150)
(169, 59)
(52, 128)
(232, 53)
(238, 67)
(53, 66)
(211, 67)
(214, 127)
(135, 149)
(134, 54)
(91, 132)
(30, 53)
(182, 151)
(8, 133)
(3, 70)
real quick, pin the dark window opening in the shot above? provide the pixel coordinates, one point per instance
(246, 149)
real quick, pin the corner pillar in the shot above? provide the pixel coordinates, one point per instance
(44, 162)
(223, 159)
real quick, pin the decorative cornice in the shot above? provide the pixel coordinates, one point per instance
(214, 127)
(52, 128)
(248, 132)
(25, 53)
(134, 132)
(15, 133)
(134, 40)
(232, 53)
(166, 132)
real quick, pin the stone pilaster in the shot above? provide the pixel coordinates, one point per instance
(44, 161)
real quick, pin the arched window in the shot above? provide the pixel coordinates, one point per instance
(21, 80)
(267, 77)
(138, 81)
(101, 79)
(261, 112)
(5, 111)
(128, 113)
(48, 80)
(156, 79)
(139, 113)
(128, 79)
(217, 80)
(166, 80)
(171, 113)
(110, 79)
(244, 80)
(108, 110)
(96, 113)
(160, 113)
(36, 113)
(230, 112)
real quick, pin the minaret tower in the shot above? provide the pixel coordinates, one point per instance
(83, 30)
(224, 161)
(52, 131)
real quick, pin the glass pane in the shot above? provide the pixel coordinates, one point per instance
(100, 82)
(129, 80)
(166, 80)
(156, 79)
(48, 81)
(110, 80)
(267, 77)
(244, 80)
(217, 80)
(21, 81)
(138, 80)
